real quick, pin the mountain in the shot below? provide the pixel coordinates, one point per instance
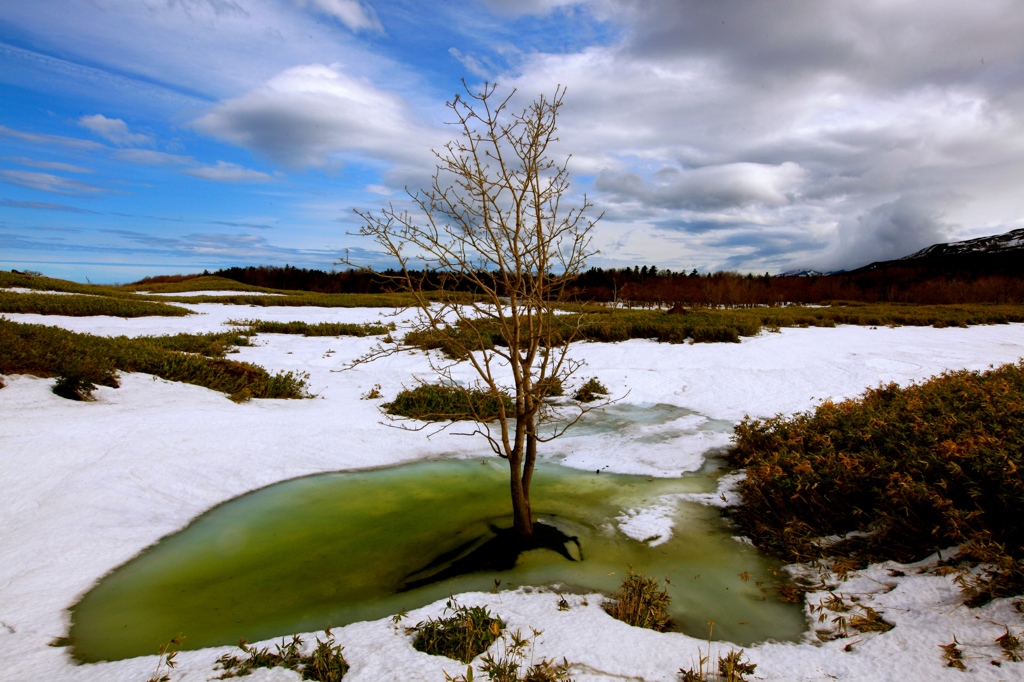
(802, 273)
(1001, 254)
(1011, 241)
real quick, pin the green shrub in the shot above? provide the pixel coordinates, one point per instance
(591, 390)
(912, 470)
(78, 376)
(85, 305)
(444, 402)
(597, 323)
(195, 359)
(306, 329)
(552, 387)
(640, 601)
(456, 342)
(463, 635)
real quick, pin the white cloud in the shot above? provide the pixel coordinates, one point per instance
(207, 49)
(47, 182)
(222, 171)
(47, 165)
(151, 157)
(472, 64)
(355, 15)
(709, 187)
(114, 130)
(43, 139)
(228, 172)
(518, 7)
(315, 115)
(839, 131)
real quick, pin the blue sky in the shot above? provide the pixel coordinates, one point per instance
(145, 137)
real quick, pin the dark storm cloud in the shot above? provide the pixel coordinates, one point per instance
(893, 230)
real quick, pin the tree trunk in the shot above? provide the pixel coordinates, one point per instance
(522, 517)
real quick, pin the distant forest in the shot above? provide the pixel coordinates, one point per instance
(922, 282)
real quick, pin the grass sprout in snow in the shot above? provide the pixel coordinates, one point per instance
(325, 663)
(509, 664)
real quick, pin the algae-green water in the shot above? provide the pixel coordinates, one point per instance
(332, 549)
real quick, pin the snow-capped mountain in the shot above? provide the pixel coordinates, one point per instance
(1010, 241)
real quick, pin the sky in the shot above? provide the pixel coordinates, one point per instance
(149, 137)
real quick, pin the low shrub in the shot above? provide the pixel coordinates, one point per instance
(552, 387)
(306, 329)
(640, 601)
(712, 325)
(463, 635)
(325, 663)
(445, 402)
(78, 376)
(74, 305)
(896, 474)
(456, 342)
(591, 390)
(86, 359)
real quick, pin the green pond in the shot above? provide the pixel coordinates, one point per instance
(332, 549)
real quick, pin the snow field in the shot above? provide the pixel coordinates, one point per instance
(86, 486)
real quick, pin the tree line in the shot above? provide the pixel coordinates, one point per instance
(650, 286)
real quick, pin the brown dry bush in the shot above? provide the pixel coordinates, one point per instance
(913, 470)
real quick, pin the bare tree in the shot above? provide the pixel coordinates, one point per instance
(501, 250)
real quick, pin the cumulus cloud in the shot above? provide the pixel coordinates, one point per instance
(709, 187)
(114, 130)
(315, 115)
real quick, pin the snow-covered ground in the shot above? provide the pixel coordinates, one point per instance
(86, 486)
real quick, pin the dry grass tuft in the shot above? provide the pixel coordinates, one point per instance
(642, 602)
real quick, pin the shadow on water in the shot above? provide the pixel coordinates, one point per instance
(499, 552)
